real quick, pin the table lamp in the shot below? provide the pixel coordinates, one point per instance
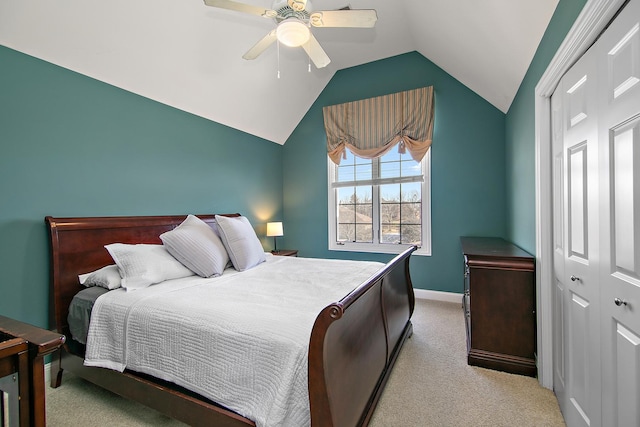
(274, 229)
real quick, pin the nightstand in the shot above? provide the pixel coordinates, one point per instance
(24, 347)
(286, 252)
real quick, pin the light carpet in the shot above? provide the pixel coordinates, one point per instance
(431, 385)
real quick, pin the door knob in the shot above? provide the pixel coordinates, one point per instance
(574, 278)
(619, 302)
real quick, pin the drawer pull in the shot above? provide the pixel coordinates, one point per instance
(575, 279)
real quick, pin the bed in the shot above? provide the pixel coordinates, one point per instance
(353, 345)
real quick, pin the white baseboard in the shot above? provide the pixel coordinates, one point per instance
(438, 295)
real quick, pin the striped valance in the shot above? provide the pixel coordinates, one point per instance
(371, 127)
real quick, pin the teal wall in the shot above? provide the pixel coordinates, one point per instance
(520, 131)
(467, 167)
(73, 146)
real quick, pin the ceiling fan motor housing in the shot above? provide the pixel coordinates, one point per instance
(284, 11)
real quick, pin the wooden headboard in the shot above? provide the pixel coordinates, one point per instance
(77, 247)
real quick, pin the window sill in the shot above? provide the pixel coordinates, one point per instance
(378, 249)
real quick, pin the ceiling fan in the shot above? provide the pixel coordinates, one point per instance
(294, 19)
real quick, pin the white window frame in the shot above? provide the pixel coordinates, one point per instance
(423, 250)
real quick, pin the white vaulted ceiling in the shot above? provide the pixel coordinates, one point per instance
(187, 55)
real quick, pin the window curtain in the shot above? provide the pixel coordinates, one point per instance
(371, 127)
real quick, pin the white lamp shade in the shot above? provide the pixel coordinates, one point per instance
(292, 33)
(274, 229)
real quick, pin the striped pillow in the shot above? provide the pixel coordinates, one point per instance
(197, 246)
(243, 246)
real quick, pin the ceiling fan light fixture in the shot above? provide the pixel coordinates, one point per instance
(293, 33)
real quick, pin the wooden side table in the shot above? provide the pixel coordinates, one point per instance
(286, 252)
(39, 343)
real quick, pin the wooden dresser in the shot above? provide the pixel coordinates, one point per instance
(499, 305)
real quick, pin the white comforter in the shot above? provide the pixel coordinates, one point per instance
(240, 339)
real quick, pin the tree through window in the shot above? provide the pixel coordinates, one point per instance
(379, 204)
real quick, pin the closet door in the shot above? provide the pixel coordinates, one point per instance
(619, 104)
(596, 176)
(578, 279)
(557, 153)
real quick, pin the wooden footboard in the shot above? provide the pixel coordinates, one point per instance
(355, 343)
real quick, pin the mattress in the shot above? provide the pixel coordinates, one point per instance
(240, 339)
(80, 312)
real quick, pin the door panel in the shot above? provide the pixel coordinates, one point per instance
(578, 280)
(559, 343)
(580, 355)
(624, 184)
(557, 152)
(620, 275)
(623, 63)
(596, 185)
(627, 377)
(578, 209)
(619, 134)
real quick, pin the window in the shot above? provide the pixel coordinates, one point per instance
(380, 205)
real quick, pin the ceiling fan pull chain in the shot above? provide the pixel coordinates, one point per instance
(278, 49)
(309, 69)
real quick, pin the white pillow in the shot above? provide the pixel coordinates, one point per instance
(143, 265)
(107, 277)
(243, 246)
(197, 246)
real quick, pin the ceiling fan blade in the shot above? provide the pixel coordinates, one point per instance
(363, 18)
(316, 53)
(241, 7)
(297, 5)
(261, 46)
